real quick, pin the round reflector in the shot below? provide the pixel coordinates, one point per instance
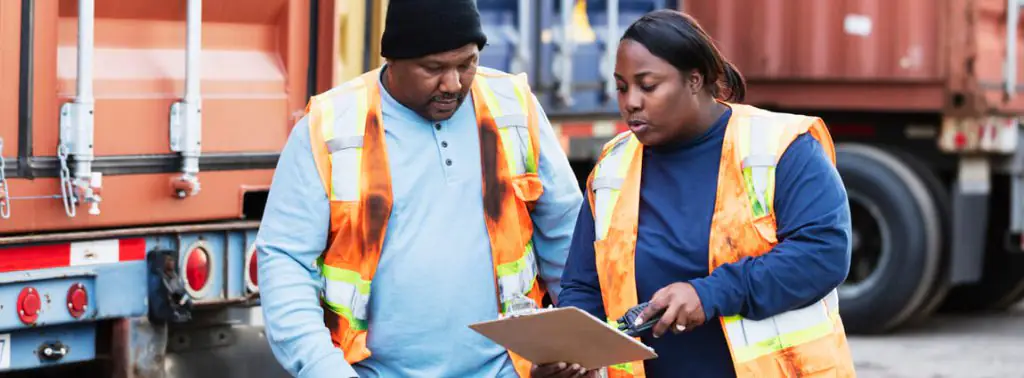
(251, 270)
(29, 305)
(197, 268)
(78, 300)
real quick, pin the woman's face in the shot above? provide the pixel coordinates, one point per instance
(655, 99)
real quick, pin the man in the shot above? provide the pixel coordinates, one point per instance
(411, 202)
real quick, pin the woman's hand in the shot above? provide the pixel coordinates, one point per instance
(682, 306)
(561, 370)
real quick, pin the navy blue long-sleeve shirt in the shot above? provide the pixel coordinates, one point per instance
(677, 199)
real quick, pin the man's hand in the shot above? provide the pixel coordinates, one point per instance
(682, 306)
(561, 370)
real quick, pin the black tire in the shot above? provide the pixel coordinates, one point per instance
(897, 256)
(1002, 280)
(943, 205)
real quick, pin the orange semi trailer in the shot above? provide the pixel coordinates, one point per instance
(139, 139)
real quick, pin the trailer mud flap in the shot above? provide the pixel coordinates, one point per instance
(971, 193)
(168, 300)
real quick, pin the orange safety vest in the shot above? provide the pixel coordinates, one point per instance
(347, 137)
(805, 342)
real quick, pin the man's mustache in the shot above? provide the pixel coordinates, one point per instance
(447, 97)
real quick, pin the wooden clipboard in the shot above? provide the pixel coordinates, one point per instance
(564, 335)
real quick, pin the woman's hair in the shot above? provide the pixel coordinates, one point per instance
(678, 39)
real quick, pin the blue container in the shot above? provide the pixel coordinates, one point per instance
(535, 49)
(591, 88)
(502, 23)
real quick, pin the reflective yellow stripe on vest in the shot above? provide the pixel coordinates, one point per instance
(625, 366)
(347, 294)
(609, 175)
(751, 339)
(508, 106)
(344, 138)
(517, 278)
(758, 144)
(758, 147)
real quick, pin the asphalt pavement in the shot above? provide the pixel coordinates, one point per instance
(962, 346)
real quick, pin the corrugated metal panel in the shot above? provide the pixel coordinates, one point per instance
(254, 67)
(861, 40)
(254, 60)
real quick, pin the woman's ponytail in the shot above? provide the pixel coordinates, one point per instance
(733, 83)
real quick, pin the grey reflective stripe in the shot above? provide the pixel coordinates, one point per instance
(344, 147)
(605, 182)
(607, 176)
(746, 332)
(345, 294)
(511, 115)
(341, 143)
(760, 131)
(516, 284)
(511, 120)
(759, 160)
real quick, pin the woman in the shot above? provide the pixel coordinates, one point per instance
(730, 220)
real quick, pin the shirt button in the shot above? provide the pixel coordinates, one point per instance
(444, 144)
(448, 162)
(437, 126)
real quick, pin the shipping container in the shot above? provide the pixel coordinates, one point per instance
(872, 55)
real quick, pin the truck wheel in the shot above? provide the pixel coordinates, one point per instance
(943, 205)
(897, 245)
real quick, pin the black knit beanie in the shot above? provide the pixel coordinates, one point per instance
(416, 28)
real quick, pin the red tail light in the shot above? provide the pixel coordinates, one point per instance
(252, 280)
(78, 300)
(253, 271)
(29, 305)
(197, 269)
